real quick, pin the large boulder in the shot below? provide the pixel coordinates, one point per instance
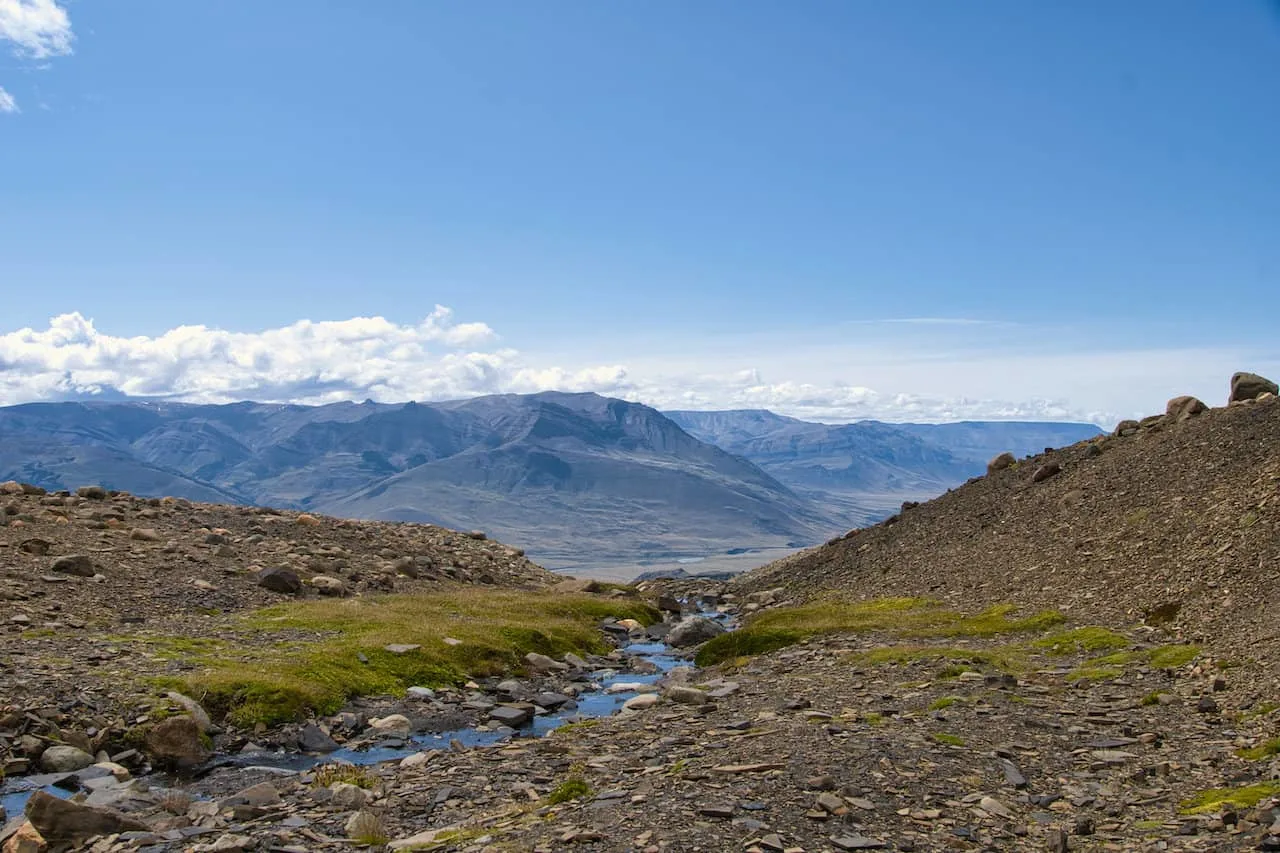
(1186, 406)
(1001, 462)
(177, 742)
(1247, 386)
(695, 630)
(62, 821)
(280, 580)
(64, 759)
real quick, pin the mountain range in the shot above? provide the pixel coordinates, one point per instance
(574, 478)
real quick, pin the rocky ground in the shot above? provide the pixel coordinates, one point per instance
(853, 742)
(1142, 713)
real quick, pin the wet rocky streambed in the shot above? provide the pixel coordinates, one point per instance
(384, 729)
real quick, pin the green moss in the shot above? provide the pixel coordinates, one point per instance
(1261, 709)
(347, 657)
(948, 740)
(1087, 639)
(1152, 698)
(902, 617)
(571, 728)
(1262, 750)
(1086, 673)
(1173, 657)
(573, 788)
(873, 719)
(1217, 799)
(943, 703)
(1116, 659)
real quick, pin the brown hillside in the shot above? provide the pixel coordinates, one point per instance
(1177, 519)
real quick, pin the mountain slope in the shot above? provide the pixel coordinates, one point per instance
(1178, 521)
(867, 469)
(572, 477)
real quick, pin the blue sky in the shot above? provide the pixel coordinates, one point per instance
(694, 194)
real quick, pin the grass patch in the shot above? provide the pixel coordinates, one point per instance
(331, 774)
(1262, 750)
(1087, 673)
(1152, 698)
(1216, 799)
(573, 788)
(948, 740)
(1261, 709)
(902, 617)
(496, 629)
(1076, 640)
(943, 703)
(1173, 657)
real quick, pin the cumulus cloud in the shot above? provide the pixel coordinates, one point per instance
(439, 358)
(7, 103)
(38, 29)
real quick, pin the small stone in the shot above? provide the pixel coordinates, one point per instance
(393, 724)
(401, 648)
(641, 702)
(858, 842)
(722, 812)
(347, 796)
(1207, 705)
(994, 807)
(542, 663)
(312, 738)
(686, 695)
(75, 564)
(144, 534)
(1045, 471)
(177, 742)
(510, 715)
(693, 631)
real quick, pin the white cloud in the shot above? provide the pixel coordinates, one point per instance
(7, 103)
(38, 29)
(902, 376)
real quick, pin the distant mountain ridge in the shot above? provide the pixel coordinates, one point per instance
(573, 478)
(568, 476)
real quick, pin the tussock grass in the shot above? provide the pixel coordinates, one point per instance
(573, 788)
(1090, 638)
(1262, 750)
(902, 617)
(1174, 656)
(496, 628)
(948, 739)
(1217, 799)
(329, 774)
(1005, 659)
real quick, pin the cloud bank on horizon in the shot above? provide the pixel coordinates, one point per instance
(440, 358)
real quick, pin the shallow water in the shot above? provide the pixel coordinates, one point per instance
(590, 704)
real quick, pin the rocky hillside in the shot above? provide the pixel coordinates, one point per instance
(1172, 521)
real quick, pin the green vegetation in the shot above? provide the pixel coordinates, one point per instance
(1216, 799)
(571, 728)
(1261, 709)
(345, 654)
(1173, 657)
(330, 774)
(573, 788)
(1087, 639)
(1152, 698)
(872, 718)
(1262, 750)
(948, 740)
(902, 617)
(943, 703)
(1086, 672)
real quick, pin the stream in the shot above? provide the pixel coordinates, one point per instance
(593, 702)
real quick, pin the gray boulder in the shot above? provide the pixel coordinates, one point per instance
(64, 759)
(64, 822)
(1186, 406)
(74, 564)
(177, 742)
(1247, 386)
(695, 630)
(1001, 462)
(280, 580)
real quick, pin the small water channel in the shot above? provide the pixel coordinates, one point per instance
(595, 701)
